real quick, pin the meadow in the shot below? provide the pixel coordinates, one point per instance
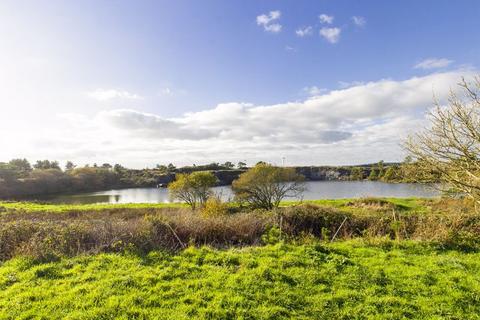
(390, 259)
(346, 280)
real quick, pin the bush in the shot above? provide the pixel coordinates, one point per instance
(214, 207)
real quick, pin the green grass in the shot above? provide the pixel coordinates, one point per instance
(43, 207)
(408, 204)
(345, 280)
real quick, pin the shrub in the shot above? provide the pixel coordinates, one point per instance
(214, 207)
(265, 186)
(192, 188)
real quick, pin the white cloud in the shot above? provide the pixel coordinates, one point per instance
(345, 84)
(359, 21)
(433, 63)
(324, 18)
(332, 35)
(303, 32)
(361, 123)
(268, 21)
(104, 95)
(314, 90)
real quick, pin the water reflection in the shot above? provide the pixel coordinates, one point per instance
(315, 190)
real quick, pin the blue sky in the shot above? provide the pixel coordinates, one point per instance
(148, 72)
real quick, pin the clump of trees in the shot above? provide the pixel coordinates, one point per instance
(265, 186)
(449, 148)
(192, 188)
(18, 178)
(386, 172)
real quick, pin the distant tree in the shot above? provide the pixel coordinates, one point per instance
(373, 174)
(241, 165)
(161, 167)
(260, 162)
(229, 165)
(107, 166)
(7, 172)
(192, 188)
(171, 167)
(118, 168)
(21, 166)
(46, 164)
(264, 186)
(381, 169)
(357, 173)
(391, 174)
(69, 166)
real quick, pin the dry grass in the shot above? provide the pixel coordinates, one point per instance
(50, 235)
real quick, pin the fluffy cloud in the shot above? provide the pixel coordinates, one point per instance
(359, 21)
(324, 18)
(268, 21)
(332, 35)
(104, 95)
(433, 63)
(363, 123)
(303, 32)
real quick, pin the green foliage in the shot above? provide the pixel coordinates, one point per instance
(241, 165)
(193, 188)
(215, 207)
(46, 164)
(357, 173)
(373, 174)
(272, 236)
(349, 280)
(265, 186)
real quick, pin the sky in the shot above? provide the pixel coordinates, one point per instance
(191, 82)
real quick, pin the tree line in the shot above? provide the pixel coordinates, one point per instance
(20, 178)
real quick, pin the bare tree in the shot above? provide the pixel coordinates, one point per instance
(449, 149)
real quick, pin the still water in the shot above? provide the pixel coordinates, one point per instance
(315, 190)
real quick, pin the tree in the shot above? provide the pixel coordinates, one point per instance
(391, 174)
(241, 165)
(381, 169)
(118, 168)
(171, 167)
(373, 174)
(264, 185)
(192, 188)
(21, 166)
(229, 165)
(107, 166)
(161, 167)
(356, 173)
(7, 172)
(69, 166)
(449, 148)
(46, 164)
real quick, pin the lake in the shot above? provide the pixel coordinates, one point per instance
(315, 190)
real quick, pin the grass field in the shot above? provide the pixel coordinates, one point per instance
(417, 204)
(346, 280)
(392, 259)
